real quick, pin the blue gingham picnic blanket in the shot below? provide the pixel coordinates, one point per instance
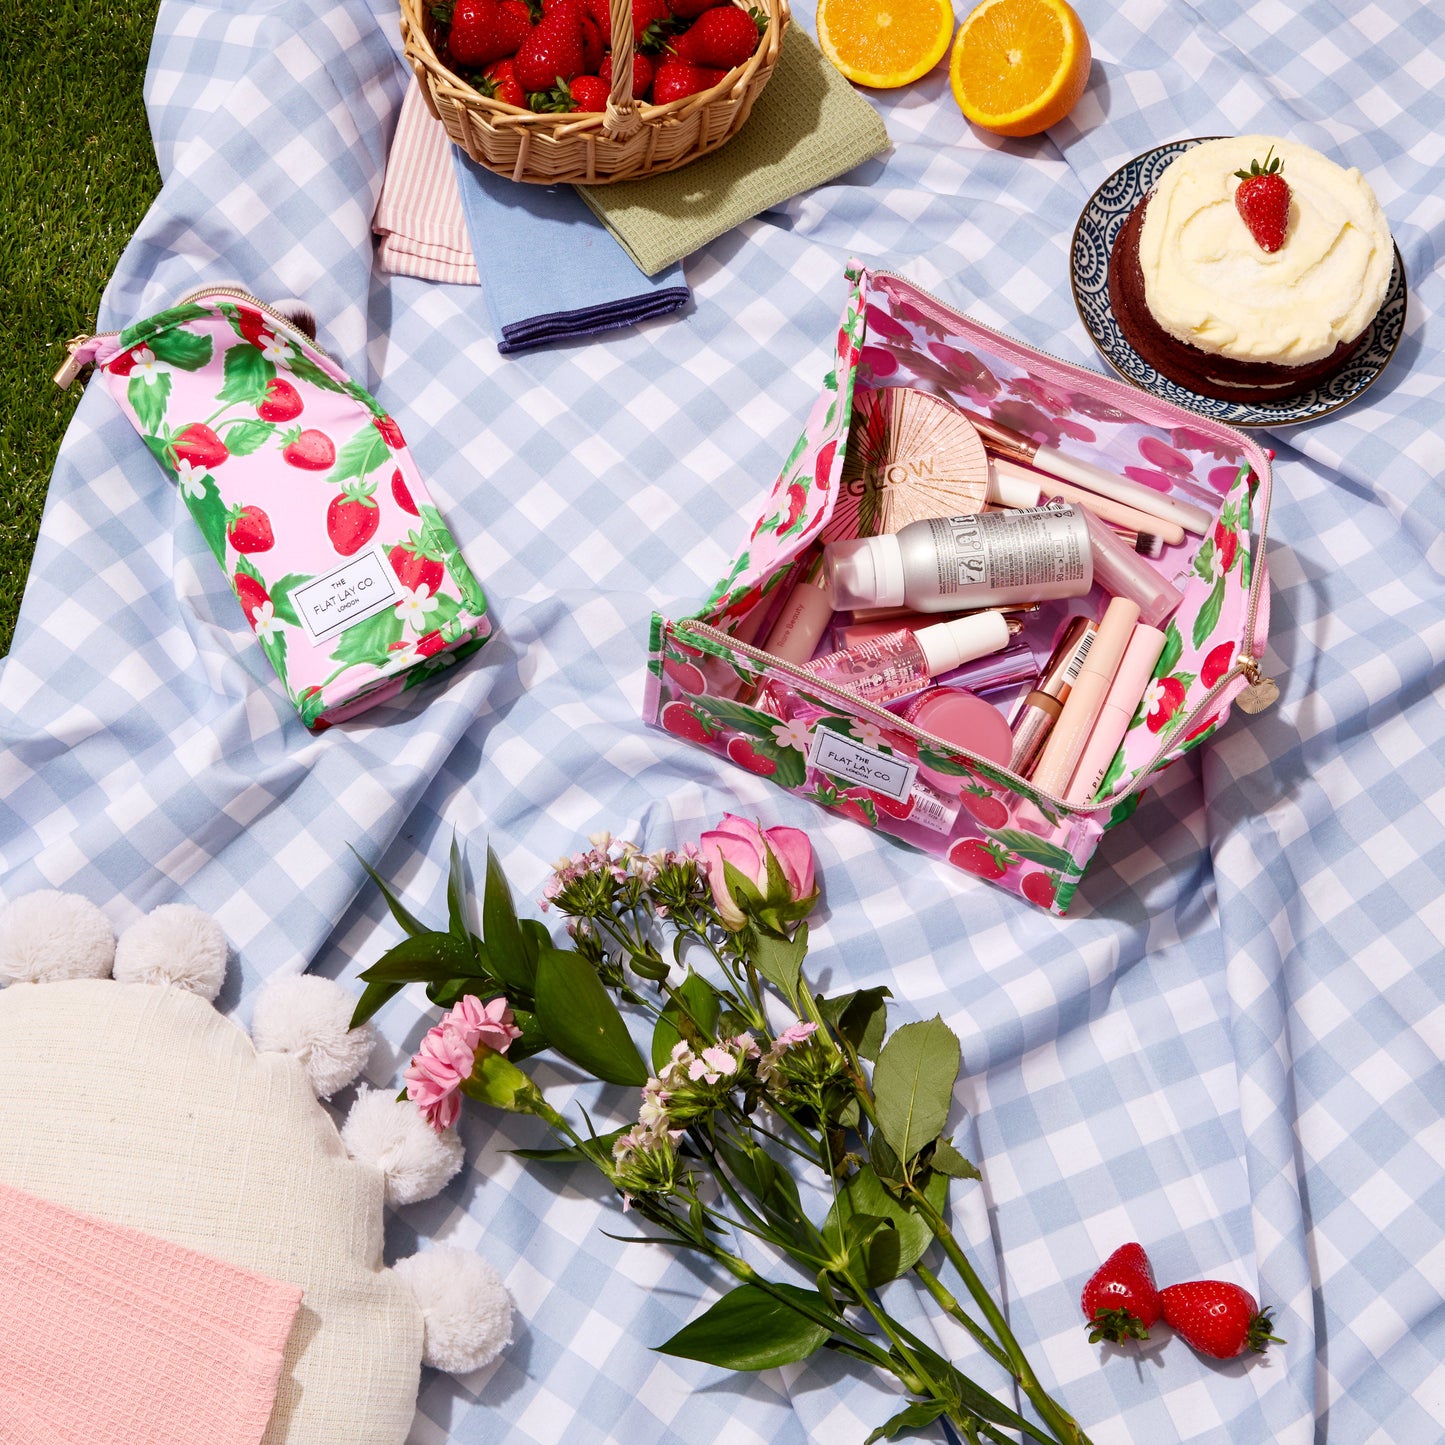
(1230, 1050)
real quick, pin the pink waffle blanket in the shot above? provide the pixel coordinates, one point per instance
(109, 1336)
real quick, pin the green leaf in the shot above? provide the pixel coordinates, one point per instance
(181, 348)
(774, 1189)
(859, 1017)
(274, 646)
(247, 375)
(1202, 559)
(368, 641)
(1207, 618)
(244, 437)
(408, 921)
(209, 512)
(147, 398)
(792, 768)
(913, 1084)
(281, 596)
(917, 1416)
(457, 893)
(534, 939)
(1245, 563)
(947, 1160)
(364, 452)
(1173, 651)
(1035, 849)
(175, 316)
(691, 1013)
(751, 1329)
(426, 958)
(891, 1252)
(581, 1020)
(304, 369)
(942, 762)
(779, 960)
(738, 716)
(509, 953)
(372, 998)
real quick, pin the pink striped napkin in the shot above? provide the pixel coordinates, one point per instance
(111, 1335)
(419, 213)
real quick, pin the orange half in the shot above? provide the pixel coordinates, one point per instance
(884, 43)
(1019, 66)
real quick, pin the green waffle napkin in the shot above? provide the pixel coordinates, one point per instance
(808, 126)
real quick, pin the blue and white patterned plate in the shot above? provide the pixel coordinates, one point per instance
(1103, 217)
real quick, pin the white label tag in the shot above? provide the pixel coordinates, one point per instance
(854, 762)
(360, 588)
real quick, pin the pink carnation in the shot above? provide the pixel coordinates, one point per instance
(477, 1023)
(435, 1076)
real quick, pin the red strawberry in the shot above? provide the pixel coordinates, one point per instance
(1038, 888)
(390, 432)
(253, 325)
(1120, 1301)
(416, 565)
(1168, 701)
(352, 517)
(651, 24)
(691, 9)
(723, 37)
(249, 529)
(500, 83)
(899, 808)
(482, 31)
(1216, 664)
(676, 79)
(584, 92)
(687, 677)
(282, 403)
(1218, 1318)
(980, 857)
(1262, 200)
(125, 363)
(990, 811)
(1226, 544)
(684, 721)
(200, 446)
(594, 48)
(311, 450)
(251, 593)
(742, 752)
(641, 74)
(402, 493)
(551, 52)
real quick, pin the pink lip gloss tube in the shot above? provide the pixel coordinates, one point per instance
(1120, 570)
(1120, 705)
(902, 662)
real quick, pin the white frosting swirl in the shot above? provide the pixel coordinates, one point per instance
(1208, 282)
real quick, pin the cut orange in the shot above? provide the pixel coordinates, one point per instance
(884, 43)
(1019, 66)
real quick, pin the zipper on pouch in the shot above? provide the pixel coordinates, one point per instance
(1260, 692)
(74, 364)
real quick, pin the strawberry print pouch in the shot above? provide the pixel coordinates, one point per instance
(711, 683)
(304, 490)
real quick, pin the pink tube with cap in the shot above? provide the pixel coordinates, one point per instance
(1121, 571)
(1121, 702)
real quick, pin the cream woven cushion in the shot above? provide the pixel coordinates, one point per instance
(141, 1104)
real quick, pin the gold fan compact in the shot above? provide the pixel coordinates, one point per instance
(910, 455)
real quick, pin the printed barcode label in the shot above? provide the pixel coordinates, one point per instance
(1080, 653)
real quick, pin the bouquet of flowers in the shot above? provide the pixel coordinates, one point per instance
(752, 1084)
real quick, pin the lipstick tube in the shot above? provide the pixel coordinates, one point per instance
(1120, 570)
(1004, 442)
(1039, 711)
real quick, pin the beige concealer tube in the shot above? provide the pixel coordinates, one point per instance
(1070, 734)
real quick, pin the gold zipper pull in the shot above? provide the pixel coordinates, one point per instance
(74, 362)
(1262, 691)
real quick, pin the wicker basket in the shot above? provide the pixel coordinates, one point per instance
(628, 140)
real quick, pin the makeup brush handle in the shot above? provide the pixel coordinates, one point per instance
(1123, 489)
(1115, 513)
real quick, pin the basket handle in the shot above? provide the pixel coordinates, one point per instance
(621, 119)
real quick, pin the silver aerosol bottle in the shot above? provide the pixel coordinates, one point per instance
(952, 564)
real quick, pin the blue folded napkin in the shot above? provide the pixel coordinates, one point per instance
(550, 269)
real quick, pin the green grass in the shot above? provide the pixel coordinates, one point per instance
(78, 175)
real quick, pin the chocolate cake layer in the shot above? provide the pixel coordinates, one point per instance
(1201, 371)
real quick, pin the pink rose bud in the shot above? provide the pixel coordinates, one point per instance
(762, 874)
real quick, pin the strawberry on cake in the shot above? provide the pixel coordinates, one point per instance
(1252, 270)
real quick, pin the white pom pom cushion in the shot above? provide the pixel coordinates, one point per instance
(142, 1105)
